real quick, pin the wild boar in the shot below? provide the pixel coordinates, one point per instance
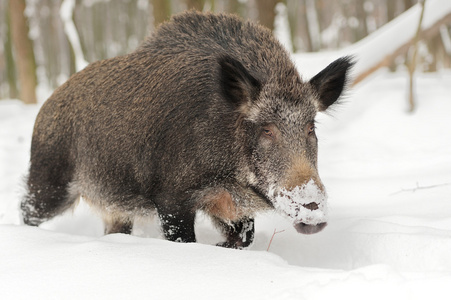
(209, 114)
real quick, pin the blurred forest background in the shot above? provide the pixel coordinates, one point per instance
(55, 38)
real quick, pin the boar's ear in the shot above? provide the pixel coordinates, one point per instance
(330, 82)
(237, 84)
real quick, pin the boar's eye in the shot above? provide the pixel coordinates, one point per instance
(311, 129)
(268, 132)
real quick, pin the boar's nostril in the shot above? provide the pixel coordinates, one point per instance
(311, 206)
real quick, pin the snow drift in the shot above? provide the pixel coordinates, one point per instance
(389, 233)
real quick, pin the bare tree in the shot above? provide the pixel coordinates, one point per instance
(23, 49)
(195, 4)
(413, 59)
(408, 4)
(161, 11)
(267, 12)
(233, 6)
(303, 28)
(362, 30)
(9, 60)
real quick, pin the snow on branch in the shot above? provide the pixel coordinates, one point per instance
(66, 13)
(383, 46)
(395, 38)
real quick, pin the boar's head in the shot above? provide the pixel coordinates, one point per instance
(277, 135)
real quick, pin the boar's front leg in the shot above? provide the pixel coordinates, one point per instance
(177, 224)
(239, 234)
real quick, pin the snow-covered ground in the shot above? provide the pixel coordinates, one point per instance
(388, 175)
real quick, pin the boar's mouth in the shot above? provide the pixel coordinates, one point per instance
(309, 229)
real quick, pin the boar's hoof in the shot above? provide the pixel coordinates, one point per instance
(230, 245)
(309, 229)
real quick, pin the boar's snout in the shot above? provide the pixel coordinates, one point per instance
(305, 206)
(302, 197)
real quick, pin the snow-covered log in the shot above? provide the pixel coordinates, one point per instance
(392, 44)
(380, 48)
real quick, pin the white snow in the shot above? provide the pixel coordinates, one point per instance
(388, 178)
(386, 238)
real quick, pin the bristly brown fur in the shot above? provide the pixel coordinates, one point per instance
(221, 205)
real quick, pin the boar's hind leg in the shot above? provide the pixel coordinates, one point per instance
(177, 224)
(118, 225)
(239, 234)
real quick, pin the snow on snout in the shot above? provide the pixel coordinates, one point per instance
(304, 204)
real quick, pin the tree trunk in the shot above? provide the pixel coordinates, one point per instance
(361, 16)
(195, 4)
(293, 20)
(161, 11)
(23, 49)
(408, 4)
(445, 57)
(391, 10)
(413, 60)
(9, 61)
(233, 6)
(267, 12)
(304, 28)
(313, 24)
(435, 47)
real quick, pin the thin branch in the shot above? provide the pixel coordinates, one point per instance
(420, 188)
(275, 232)
(413, 59)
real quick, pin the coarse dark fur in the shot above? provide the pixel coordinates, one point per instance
(205, 115)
